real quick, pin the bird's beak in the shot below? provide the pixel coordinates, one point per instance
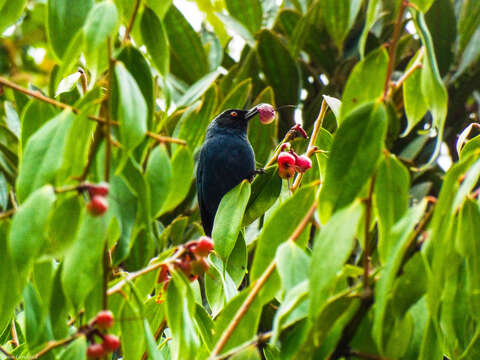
(251, 113)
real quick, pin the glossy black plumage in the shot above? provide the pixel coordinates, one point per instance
(226, 158)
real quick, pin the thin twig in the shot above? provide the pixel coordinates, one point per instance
(118, 286)
(366, 249)
(393, 47)
(256, 289)
(11, 193)
(39, 96)
(316, 128)
(13, 331)
(7, 213)
(54, 344)
(7, 354)
(416, 65)
(131, 22)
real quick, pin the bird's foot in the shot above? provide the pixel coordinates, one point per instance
(256, 172)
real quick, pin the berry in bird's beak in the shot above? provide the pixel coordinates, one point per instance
(266, 113)
(286, 165)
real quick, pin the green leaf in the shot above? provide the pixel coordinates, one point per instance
(154, 36)
(101, 23)
(400, 240)
(58, 307)
(180, 311)
(138, 67)
(219, 285)
(354, 154)
(182, 166)
(67, 84)
(265, 191)
(188, 59)
(336, 19)
(365, 83)
(65, 19)
(280, 69)
(336, 237)
(237, 28)
(133, 332)
(34, 316)
(415, 105)
(43, 155)
(69, 59)
(153, 352)
(27, 233)
(422, 5)
(468, 23)
(197, 89)
(159, 6)
(433, 89)
(3, 192)
(159, 176)
(10, 283)
(237, 97)
(228, 219)
(373, 12)
(85, 258)
(11, 118)
(391, 198)
(248, 12)
(334, 104)
(77, 350)
(279, 226)
(11, 11)
(131, 111)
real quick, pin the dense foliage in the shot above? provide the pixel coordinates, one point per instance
(372, 253)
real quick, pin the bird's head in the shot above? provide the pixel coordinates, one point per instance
(236, 118)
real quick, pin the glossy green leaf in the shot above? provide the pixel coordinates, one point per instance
(84, 259)
(237, 28)
(58, 307)
(101, 23)
(334, 104)
(354, 154)
(468, 22)
(133, 332)
(154, 36)
(67, 84)
(27, 234)
(180, 311)
(11, 11)
(43, 155)
(219, 285)
(336, 18)
(3, 192)
(182, 171)
(248, 12)
(415, 105)
(159, 175)
(292, 265)
(391, 198)
(131, 111)
(77, 350)
(365, 83)
(11, 118)
(34, 316)
(237, 97)
(280, 69)
(422, 5)
(153, 352)
(188, 59)
(400, 240)
(279, 226)
(228, 219)
(69, 59)
(65, 19)
(138, 67)
(336, 237)
(159, 6)
(373, 12)
(197, 89)
(265, 191)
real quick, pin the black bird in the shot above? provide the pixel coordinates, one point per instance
(226, 158)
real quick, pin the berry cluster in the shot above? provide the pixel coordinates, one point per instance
(97, 194)
(289, 162)
(102, 322)
(192, 263)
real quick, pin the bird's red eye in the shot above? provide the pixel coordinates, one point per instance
(234, 113)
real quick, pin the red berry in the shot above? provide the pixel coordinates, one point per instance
(199, 267)
(285, 160)
(266, 113)
(111, 342)
(95, 351)
(286, 173)
(303, 163)
(98, 189)
(104, 319)
(203, 246)
(97, 205)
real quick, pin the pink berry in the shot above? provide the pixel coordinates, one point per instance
(98, 189)
(266, 113)
(104, 319)
(286, 165)
(97, 206)
(303, 163)
(95, 351)
(110, 342)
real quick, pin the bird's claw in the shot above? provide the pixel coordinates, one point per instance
(256, 172)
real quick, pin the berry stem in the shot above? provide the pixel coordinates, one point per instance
(7, 354)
